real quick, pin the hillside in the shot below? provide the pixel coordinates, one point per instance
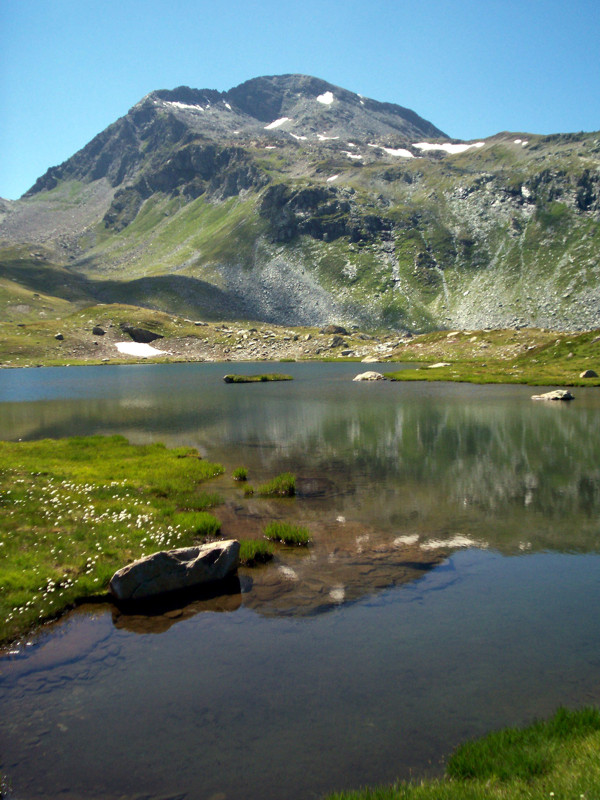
(292, 201)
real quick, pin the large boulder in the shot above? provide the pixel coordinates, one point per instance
(170, 570)
(557, 394)
(588, 373)
(369, 376)
(140, 335)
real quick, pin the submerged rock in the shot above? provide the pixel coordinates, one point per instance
(170, 570)
(369, 376)
(557, 394)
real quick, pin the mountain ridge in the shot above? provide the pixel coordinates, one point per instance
(302, 202)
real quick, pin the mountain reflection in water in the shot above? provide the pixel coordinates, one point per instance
(402, 630)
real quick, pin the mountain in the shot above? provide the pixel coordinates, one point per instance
(291, 200)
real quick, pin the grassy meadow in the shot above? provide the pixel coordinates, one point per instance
(73, 511)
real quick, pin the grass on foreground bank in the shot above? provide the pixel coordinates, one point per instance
(553, 760)
(73, 511)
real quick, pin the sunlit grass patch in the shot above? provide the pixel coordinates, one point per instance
(287, 533)
(283, 485)
(73, 511)
(544, 761)
(199, 524)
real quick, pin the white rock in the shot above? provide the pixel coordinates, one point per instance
(557, 394)
(369, 376)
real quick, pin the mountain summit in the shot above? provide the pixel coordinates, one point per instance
(292, 200)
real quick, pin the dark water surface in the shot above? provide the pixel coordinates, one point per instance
(453, 587)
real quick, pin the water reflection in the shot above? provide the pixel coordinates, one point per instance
(158, 614)
(400, 632)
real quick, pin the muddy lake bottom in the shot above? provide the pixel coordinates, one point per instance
(452, 588)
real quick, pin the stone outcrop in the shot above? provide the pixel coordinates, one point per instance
(171, 570)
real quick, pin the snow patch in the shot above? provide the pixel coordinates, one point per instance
(326, 98)
(332, 178)
(351, 144)
(451, 149)
(525, 143)
(276, 123)
(351, 155)
(518, 141)
(227, 106)
(138, 349)
(322, 138)
(400, 151)
(184, 106)
(299, 138)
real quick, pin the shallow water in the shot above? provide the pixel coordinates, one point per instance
(453, 587)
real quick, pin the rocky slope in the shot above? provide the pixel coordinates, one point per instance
(293, 201)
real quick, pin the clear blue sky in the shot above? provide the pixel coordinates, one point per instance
(68, 68)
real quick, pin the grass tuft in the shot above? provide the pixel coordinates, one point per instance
(255, 551)
(256, 378)
(287, 533)
(283, 485)
(240, 474)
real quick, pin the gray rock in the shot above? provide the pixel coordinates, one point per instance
(588, 373)
(59, 337)
(337, 341)
(557, 394)
(169, 570)
(98, 331)
(369, 376)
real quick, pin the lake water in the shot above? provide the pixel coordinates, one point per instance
(453, 587)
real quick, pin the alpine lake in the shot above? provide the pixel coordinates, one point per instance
(452, 587)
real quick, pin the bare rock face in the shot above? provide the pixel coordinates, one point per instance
(369, 376)
(557, 394)
(169, 570)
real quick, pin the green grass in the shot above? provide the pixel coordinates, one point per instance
(554, 759)
(198, 524)
(287, 533)
(240, 474)
(283, 485)
(529, 356)
(271, 376)
(255, 551)
(73, 511)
